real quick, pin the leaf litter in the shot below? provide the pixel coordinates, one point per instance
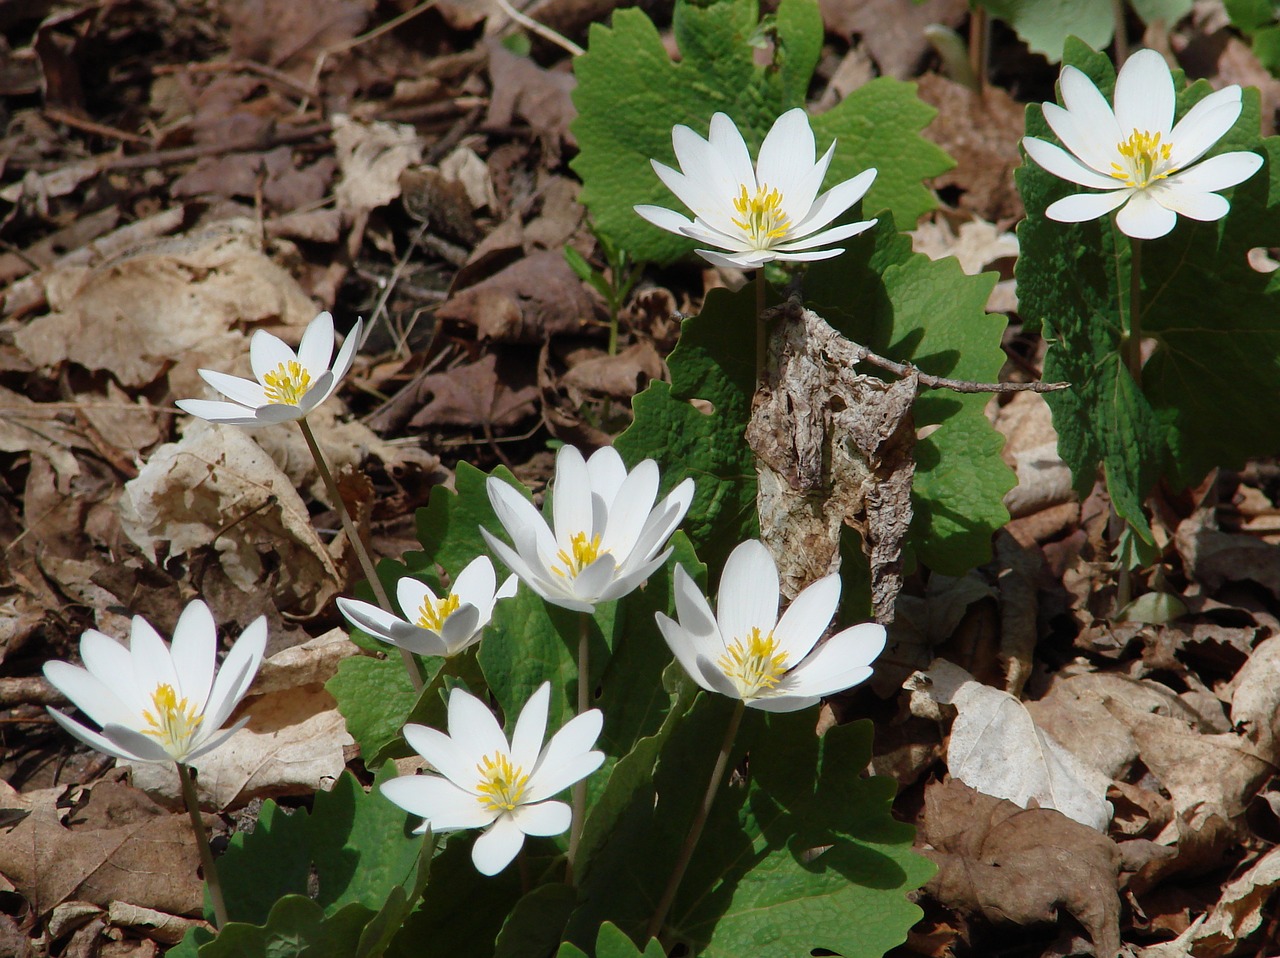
(249, 174)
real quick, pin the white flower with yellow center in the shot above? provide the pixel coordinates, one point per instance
(288, 386)
(757, 215)
(156, 703)
(608, 532)
(486, 782)
(1144, 164)
(435, 625)
(746, 652)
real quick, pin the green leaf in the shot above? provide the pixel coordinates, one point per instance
(1214, 321)
(613, 943)
(1046, 25)
(449, 526)
(630, 94)
(535, 925)
(356, 844)
(375, 698)
(751, 887)
(296, 928)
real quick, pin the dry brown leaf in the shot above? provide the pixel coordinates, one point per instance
(1213, 557)
(620, 376)
(1010, 864)
(217, 487)
(892, 31)
(536, 297)
(120, 846)
(371, 157)
(525, 90)
(293, 745)
(495, 391)
(1255, 704)
(158, 925)
(997, 748)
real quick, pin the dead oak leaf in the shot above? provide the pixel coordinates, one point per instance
(490, 393)
(531, 300)
(1010, 864)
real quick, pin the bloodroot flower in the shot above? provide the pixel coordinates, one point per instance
(486, 782)
(607, 529)
(771, 212)
(1144, 164)
(746, 652)
(441, 626)
(289, 385)
(157, 703)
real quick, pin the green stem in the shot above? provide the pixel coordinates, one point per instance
(1122, 33)
(202, 842)
(699, 823)
(584, 703)
(979, 38)
(1133, 345)
(357, 543)
(761, 329)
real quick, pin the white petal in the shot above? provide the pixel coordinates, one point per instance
(93, 739)
(752, 260)
(1143, 218)
(321, 388)
(1205, 207)
(786, 158)
(514, 562)
(588, 584)
(544, 818)
(370, 618)
(237, 673)
(531, 728)
(444, 755)
(346, 355)
(1065, 166)
(748, 596)
(834, 202)
(243, 391)
(206, 745)
(630, 510)
(211, 410)
(152, 663)
(267, 352)
(273, 413)
(695, 614)
(473, 728)
(1216, 173)
(90, 695)
(811, 255)
(571, 498)
(1204, 125)
(783, 703)
(660, 524)
(839, 663)
(495, 848)
(1092, 113)
(608, 472)
(685, 647)
(715, 679)
(445, 806)
(195, 653)
(316, 348)
(1144, 95)
(706, 184)
(807, 618)
(460, 629)
(1095, 148)
(107, 660)
(132, 742)
(834, 235)
(730, 150)
(517, 515)
(1081, 207)
(567, 757)
(411, 594)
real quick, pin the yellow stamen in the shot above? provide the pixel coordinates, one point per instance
(287, 384)
(1146, 160)
(432, 614)
(175, 723)
(585, 552)
(762, 218)
(754, 664)
(502, 785)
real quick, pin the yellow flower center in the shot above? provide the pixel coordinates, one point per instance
(432, 614)
(502, 785)
(287, 383)
(174, 722)
(754, 664)
(762, 218)
(1146, 160)
(585, 552)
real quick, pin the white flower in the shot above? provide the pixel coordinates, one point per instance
(437, 626)
(1145, 164)
(289, 384)
(607, 529)
(486, 783)
(772, 212)
(746, 652)
(157, 703)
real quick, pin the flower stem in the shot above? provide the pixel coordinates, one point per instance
(699, 823)
(1133, 345)
(357, 543)
(202, 842)
(584, 703)
(979, 37)
(761, 329)
(1121, 32)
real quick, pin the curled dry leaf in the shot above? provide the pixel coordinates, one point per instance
(535, 298)
(620, 376)
(1010, 864)
(218, 487)
(1255, 704)
(371, 157)
(997, 748)
(1239, 912)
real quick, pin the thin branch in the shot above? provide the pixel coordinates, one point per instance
(542, 30)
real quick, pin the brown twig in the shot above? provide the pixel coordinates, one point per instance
(28, 690)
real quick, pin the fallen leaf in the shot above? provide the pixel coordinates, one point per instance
(536, 297)
(1239, 912)
(497, 391)
(1213, 557)
(620, 376)
(892, 31)
(1010, 864)
(1255, 703)
(371, 157)
(525, 90)
(997, 748)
